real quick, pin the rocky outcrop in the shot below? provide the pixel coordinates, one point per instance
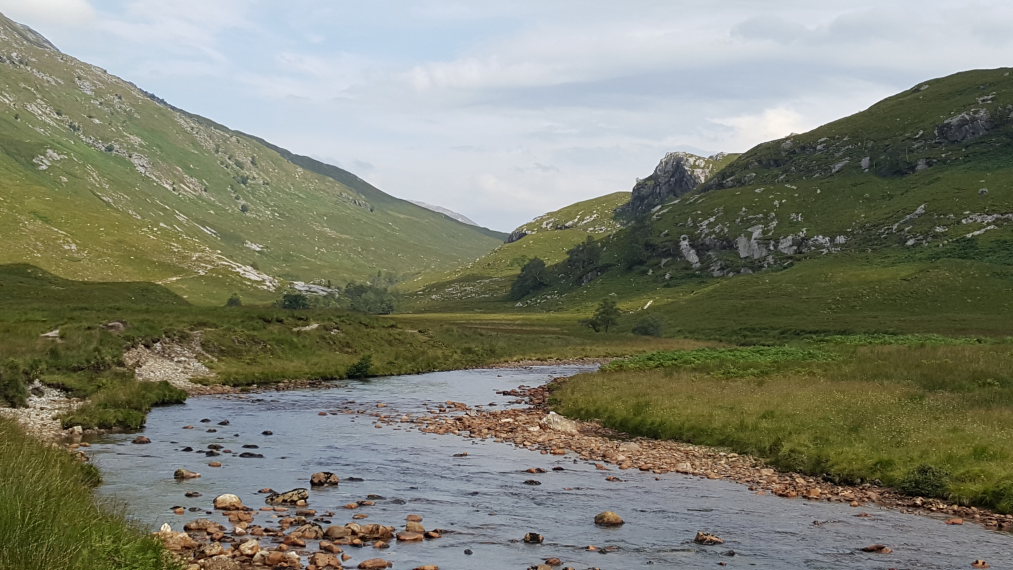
(966, 126)
(677, 174)
(292, 497)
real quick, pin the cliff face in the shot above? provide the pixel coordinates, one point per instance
(676, 175)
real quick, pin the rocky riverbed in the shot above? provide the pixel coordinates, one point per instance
(381, 453)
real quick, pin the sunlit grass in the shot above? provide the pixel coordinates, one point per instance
(876, 413)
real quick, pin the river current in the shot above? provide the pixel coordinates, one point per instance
(482, 497)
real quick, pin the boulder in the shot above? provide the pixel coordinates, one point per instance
(707, 538)
(288, 497)
(229, 502)
(140, 440)
(412, 526)
(249, 548)
(374, 532)
(558, 423)
(309, 531)
(324, 478)
(409, 536)
(374, 564)
(533, 538)
(335, 532)
(608, 518)
(176, 541)
(323, 560)
(181, 474)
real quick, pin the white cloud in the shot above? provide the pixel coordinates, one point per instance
(750, 130)
(49, 12)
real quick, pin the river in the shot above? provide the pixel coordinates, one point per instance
(483, 497)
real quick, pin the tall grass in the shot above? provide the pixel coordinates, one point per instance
(875, 413)
(50, 519)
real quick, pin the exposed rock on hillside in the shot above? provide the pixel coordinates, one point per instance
(676, 175)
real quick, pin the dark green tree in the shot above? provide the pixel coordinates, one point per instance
(533, 277)
(583, 257)
(362, 368)
(369, 298)
(294, 301)
(605, 316)
(649, 325)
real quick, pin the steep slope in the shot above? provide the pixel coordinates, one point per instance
(676, 175)
(103, 181)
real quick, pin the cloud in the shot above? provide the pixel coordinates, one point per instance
(45, 13)
(769, 124)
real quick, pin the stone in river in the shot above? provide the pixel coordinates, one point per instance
(229, 502)
(323, 478)
(608, 518)
(707, 538)
(181, 474)
(374, 564)
(288, 497)
(409, 536)
(877, 548)
(141, 440)
(533, 538)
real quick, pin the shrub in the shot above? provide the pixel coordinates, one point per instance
(362, 368)
(294, 301)
(925, 481)
(650, 325)
(234, 301)
(13, 387)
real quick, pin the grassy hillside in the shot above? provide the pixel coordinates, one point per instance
(547, 237)
(805, 234)
(103, 181)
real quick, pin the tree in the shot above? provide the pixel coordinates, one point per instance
(533, 277)
(362, 368)
(294, 301)
(369, 298)
(583, 258)
(234, 301)
(605, 316)
(650, 325)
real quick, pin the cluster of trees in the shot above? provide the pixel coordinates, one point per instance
(374, 297)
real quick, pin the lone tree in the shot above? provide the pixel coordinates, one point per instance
(605, 316)
(295, 301)
(532, 278)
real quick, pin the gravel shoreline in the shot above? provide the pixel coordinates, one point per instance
(536, 428)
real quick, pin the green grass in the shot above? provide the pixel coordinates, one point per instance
(50, 519)
(166, 204)
(871, 412)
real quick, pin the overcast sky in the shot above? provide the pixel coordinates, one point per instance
(503, 110)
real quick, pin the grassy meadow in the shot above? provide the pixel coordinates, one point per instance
(922, 413)
(51, 520)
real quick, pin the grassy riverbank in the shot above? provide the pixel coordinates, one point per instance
(931, 416)
(50, 518)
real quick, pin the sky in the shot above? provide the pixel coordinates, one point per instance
(504, 110)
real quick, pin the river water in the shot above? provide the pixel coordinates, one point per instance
(482, 497)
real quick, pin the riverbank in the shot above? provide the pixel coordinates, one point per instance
(536, 428)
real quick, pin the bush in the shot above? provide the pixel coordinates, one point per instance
(925, 481)
(234, 301)
(13, 385)
(650, 325)
(362, 368)
(294, 301)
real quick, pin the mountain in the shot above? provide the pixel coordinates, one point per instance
(103, 181)
(899, 217)
(447, 212)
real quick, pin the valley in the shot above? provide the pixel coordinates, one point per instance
(824, 318)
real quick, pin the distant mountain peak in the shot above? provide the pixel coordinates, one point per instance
(445, 211)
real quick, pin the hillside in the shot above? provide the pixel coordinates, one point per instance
(547, 237)
(898, 218)
(105, 182)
